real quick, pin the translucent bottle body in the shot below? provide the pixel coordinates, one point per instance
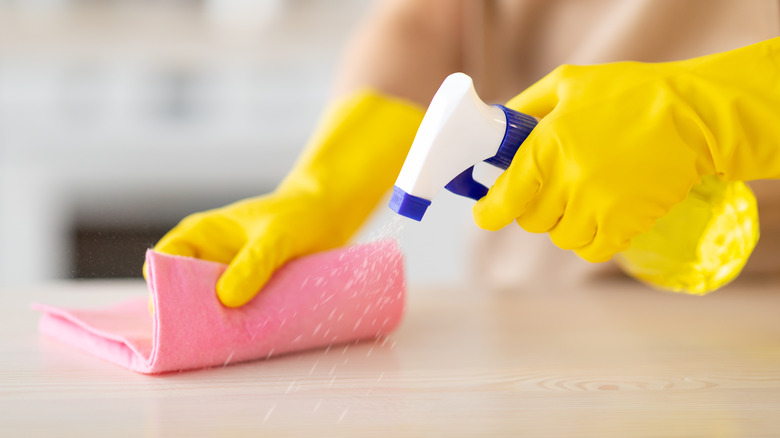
(702, 244)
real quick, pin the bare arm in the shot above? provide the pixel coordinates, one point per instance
(404, 48)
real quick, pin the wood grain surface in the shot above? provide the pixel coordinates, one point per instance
(608, 359)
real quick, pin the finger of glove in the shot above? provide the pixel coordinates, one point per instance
(506, 200)
(613, 235)
(205, 236)
(602, 248)
(168, 245)
(543, 212)
(175, 245)
(177, 240)
(576, 229)
(251, 268)
(539, 99)
(512, 192)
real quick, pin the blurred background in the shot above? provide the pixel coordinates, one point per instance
(120, 117)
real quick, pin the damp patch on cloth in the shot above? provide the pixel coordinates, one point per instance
(326, 298)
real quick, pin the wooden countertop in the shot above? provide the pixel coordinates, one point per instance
(609, 359)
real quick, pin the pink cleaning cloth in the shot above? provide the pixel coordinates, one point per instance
(327, 298)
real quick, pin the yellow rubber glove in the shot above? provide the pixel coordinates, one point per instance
(349, 163)
(619, 144)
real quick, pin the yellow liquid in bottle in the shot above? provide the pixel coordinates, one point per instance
(702, 244)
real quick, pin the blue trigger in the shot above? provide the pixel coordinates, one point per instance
(465, 185)
(518, 127)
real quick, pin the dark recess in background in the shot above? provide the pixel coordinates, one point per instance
(112, 251)
(111, 242)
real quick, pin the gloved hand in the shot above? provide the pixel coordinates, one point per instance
(619, 144)
(350, 162)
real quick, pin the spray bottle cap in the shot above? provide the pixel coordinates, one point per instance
(518, 127)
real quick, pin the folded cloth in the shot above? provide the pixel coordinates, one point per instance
(327, 298)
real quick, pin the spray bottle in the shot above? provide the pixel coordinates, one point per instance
(702, 244)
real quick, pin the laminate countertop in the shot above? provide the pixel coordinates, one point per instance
(609, 358)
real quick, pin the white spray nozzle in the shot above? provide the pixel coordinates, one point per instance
(458, 131)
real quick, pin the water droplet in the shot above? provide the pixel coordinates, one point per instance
(311, 371)
(343, 414)
(268, 414)
(227, 361)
